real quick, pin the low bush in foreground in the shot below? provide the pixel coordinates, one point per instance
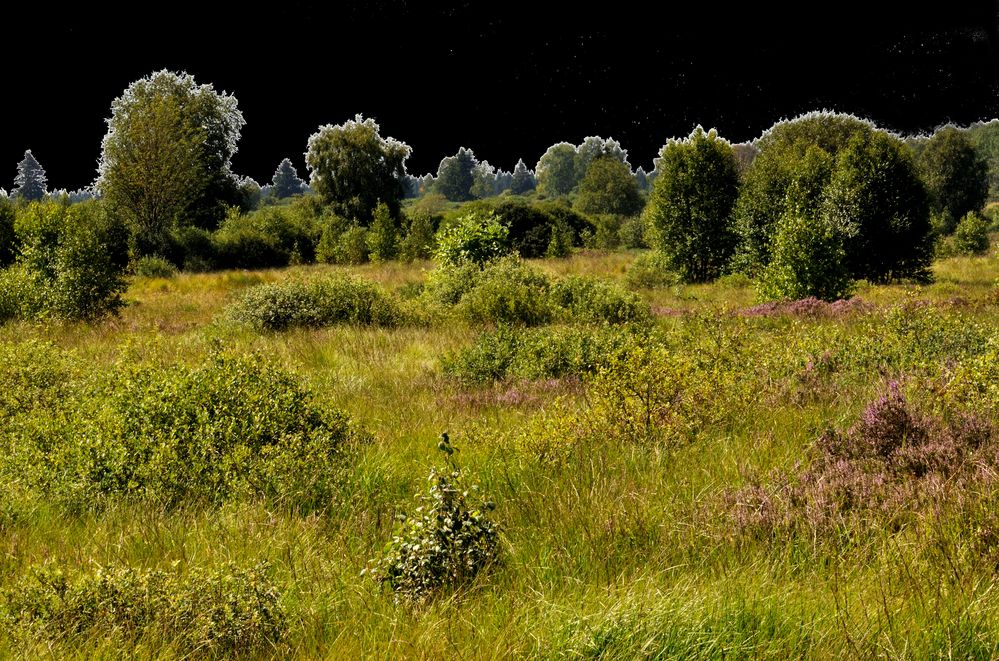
(219, 612)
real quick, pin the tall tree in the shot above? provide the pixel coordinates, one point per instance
(483, 180)
(29, 184)
(454, 176)
(166, 156)
(556, 170)
(523, 179)
(691, 204)
(285, 181)
(956, 177)
(593, 147)
(353, 168)
(609, 188)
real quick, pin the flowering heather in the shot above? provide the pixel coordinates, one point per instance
(885, 467)
(808, 307)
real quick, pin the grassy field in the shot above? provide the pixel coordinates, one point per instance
(612, 546)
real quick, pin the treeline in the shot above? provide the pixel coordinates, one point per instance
(810, 207)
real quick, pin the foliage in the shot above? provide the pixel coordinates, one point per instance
(235, 427)
(229, 610)
(353, 168)
(71, 261)
(315, 303)
(609, 188)
(419, 241)
(523, 180)
(154, 266)
(589, 299)
(165, 160)
(506, 291)
(651, 270)
(269, 237)
(956, 176)
(343, 245)
(875, 195)
(8, 237)
(475, 237)
(285, 181)
(454, 176)
(971, 237)
(807, 259)
(691, 204)
(556, 170)
(594, 147)
(445, 543)
(383, 235)
(29, 184)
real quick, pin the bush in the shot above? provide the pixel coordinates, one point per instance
(632, 233)
(807, 260)
(445, 544)
(609, 187)
(507, 291)
(971, 237)
(584, 298)
(343, 245)
(316, 303)
(154, 266)
(650, 270)
(71, 263)
(383, 236)
(419, 242)
(605, 234)
(223, 612)
(195, 250)
(233, 428)
(476, 237)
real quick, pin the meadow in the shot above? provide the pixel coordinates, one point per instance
(710, 480)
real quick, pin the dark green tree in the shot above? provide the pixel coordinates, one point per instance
(556, 170)
(383, 235)
(956, 177)
(285, 182)
(454, 176)
(483, 180)
(523, 179)
(609, 188)
(690, 206)
(353, 168)
(29, 184)
(592, 148)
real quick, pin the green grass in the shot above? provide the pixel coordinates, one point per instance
(617, 551)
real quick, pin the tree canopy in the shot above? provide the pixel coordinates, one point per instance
(353, 168)
(30, 182)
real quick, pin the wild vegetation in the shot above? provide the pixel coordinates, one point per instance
(568, 412)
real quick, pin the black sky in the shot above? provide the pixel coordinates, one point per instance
(504, 78)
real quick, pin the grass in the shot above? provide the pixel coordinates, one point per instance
(618, 551)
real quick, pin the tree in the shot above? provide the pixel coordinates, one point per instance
(166, 157)
(956, 177)
(353, 168)
(609, 188)
(383, 236)
(454, 175)
(593, 147)
(690, 206)
(763, 196)
(875, 195)
(523, 179)
(556, 170)
(29, 184)
(642, 179)
(285, 181)
(985, 137)
(483, 180)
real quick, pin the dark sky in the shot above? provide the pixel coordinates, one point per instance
(504, 78)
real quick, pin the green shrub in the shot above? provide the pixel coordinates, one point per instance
(972, 235)
(343, 245)
(446, 542)
(507, 292)
(476, 237)
(273, 236)
(633, 233)
(606, 232)
(235, 427)
(807, 259)
(585, 298)
(329, 301)
(419, 242)
(222, 612)
(383, 236)
(154, 266)
(539, 353)
(71, 263)
(195, 249)
(650, 270)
